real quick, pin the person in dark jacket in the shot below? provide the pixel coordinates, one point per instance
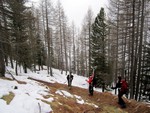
(69, 79)
(120, 92)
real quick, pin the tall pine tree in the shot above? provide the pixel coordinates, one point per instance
(19, 36)
(98, 48)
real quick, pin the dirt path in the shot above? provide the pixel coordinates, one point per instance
(105, 102)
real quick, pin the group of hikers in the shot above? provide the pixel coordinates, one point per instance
(121, 85)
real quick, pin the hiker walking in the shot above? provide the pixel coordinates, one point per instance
(122, 89)
(69, 79)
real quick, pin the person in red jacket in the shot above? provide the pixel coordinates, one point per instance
(122, 89)
(90, 81)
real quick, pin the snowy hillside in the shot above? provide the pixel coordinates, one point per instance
(28, 96)
(40, 93)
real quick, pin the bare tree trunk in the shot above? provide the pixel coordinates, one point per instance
(85, 53)
(125, 48)
(78, 70)
(43, 19)
(16, 68)
(61, 62)
(2, 63)
(48, 42)
(11, 60)
(116, 70)
(70, 59)
(140, 50)
(132, 53)
(61, 49)
(65, 49)
(74, 53)
(136, 44)
(6, 36)
(2, 45)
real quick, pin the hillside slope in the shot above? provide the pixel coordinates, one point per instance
(77, 100)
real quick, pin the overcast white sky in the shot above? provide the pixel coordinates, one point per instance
(77, 9)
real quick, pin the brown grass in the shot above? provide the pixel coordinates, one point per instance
(8, 98)
(106, 102)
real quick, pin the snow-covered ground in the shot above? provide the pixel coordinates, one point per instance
(28, 96)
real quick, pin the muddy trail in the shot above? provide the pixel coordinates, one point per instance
(98, 103)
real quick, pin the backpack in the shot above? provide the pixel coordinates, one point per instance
(124, 87)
